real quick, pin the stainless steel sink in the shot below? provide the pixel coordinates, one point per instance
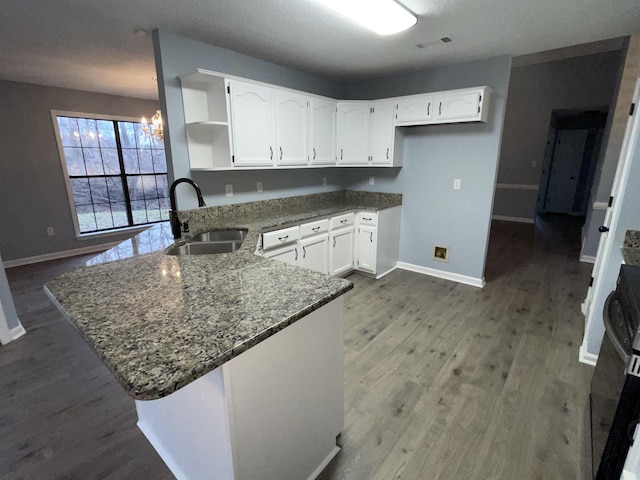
(236, 235)
(204, 248)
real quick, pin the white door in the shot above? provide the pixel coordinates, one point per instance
(605, 271)
(323, 132)
(292, 128)
(252, 124)
(341, 251)
(381, 133)
(457, 106)
(353, 133)
(288, 254)
(416, 108)
(366, 248)
(314, 253)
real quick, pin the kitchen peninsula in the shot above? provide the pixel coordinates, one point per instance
(235, 361)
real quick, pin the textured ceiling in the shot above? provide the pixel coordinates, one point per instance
(93, 46)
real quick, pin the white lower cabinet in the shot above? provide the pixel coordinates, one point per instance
(377, 241)
(366, 239)
(287, 254)
(314, 253)
(341, 253)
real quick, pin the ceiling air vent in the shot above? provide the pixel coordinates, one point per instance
(446, 39)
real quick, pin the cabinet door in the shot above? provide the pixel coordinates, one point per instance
(314, 253)
(252, 124)
(381, 133)
(415, 109)
(457, 107)
(323, 132)
(292, 128)
(288, 254)
(353, 133)
(341, 254)
(366, 241)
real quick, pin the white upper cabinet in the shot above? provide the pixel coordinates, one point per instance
(252, 109)
(460, 106)
(353, 133)
(414, 110)
(381, 133)
(292, 128)
(323, 132)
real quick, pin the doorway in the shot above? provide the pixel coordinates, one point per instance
(571, 156)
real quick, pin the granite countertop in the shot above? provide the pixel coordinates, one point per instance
(631, 247)
(160, 322)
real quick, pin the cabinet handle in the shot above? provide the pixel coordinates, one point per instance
(304, 252)
(367, 219)
(341, 152)
(428, 108)
(371, 237)
(334, 242)
(440, 109)
(296, 249)
(280, 153)
(344, 221)
(282, 239)
(315, 229)
(271, 155)
(314, 153)
(387, 153)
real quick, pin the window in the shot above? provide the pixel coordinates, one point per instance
(116, 174)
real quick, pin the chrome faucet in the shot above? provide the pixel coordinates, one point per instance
(173, 213)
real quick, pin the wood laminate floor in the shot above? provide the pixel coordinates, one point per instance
(443, 381)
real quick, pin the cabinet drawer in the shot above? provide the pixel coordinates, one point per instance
(367, 218)
(280, 237)
(342, 220)
(312, 228)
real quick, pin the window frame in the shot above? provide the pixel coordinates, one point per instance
(67, 179)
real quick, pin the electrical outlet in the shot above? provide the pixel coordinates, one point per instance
(372, 180)
(50, 231)
(324, 181)
(229, 190)
(259, 186)
(456, 184)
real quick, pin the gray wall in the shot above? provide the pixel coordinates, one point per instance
(33, 195)
(535, 90)
(175, 56)
(432, 212)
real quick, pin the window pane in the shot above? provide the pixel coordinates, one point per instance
(159, 161)
(136, 189)
(86, 218)
(146, 163)
(103, 216)
(116, 192)
(127, 135)
(69, 131)
(149, 186)
(163, 185)
(119, 212)
(164, 208)
(99, 192)
(153, 210)
(81, 192)
(88, 132)
(142, 138)
(74, 160)
(106, 134)
(130, 157)
(93, 161)
(111, 161)
(139, 211)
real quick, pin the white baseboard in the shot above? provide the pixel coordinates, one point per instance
(456, 277)
(512, 219)
(586, 357)
(13, 334)
(57, 255)
(587, 259)
(386, 273)
(316, 473)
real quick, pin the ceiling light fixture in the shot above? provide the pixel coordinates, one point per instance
(385, 17)
(156, 129)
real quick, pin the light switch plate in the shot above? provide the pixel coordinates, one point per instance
(372, 180)
(259, 186)
(229, 190)
(50, 231)
(456, 184)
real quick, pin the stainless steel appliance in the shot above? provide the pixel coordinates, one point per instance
(615, 387)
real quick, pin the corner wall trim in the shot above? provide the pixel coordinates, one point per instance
(600, 205)
(586, 357)
(588, 259)
(517, 186)
(13, 334)
(57, 255)
(512, 219)
(455, 277)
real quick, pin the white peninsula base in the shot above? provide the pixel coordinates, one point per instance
(273, 411)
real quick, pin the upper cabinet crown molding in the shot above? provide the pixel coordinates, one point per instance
(236, 123)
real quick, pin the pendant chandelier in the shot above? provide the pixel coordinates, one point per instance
(154, 129)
